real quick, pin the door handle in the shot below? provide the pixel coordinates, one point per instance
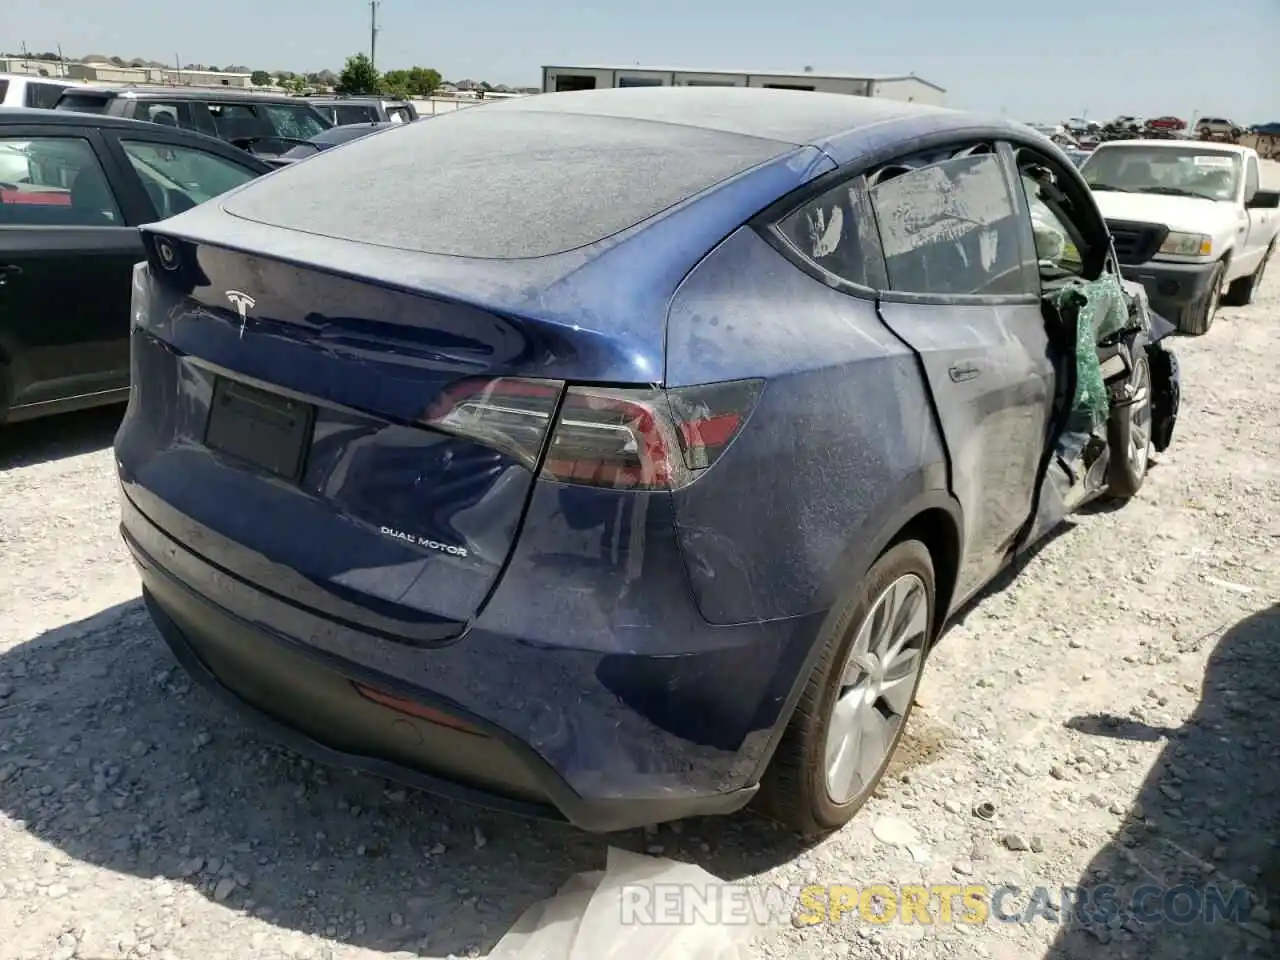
(964, 371)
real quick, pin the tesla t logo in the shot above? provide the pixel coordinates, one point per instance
(243, 304)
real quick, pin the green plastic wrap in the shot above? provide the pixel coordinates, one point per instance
(1100, 310)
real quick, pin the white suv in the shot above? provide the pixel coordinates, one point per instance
(24, 90)
(1217, 126)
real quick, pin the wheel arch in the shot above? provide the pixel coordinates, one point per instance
(935, 519)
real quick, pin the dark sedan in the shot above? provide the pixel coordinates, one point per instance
(74, 188)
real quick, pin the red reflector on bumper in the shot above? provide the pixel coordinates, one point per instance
(412, 709)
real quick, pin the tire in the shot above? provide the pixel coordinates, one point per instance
(1197, 318)
(1129, 437)
(1240, 292)
(795, 789)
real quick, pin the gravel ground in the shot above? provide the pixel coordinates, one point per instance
(1114, 704)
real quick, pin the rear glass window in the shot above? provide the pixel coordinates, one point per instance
(82, 103)
(4, 89)
(495, 183)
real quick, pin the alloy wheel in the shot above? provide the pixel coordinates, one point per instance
(877, 684)
(1140, 420)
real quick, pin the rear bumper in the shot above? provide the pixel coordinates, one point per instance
(1171, 287)
(595, 739)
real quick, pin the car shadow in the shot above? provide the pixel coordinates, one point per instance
(110, 754)
(1207, 821)
(32, 442)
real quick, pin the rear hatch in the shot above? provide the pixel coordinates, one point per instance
(355, 427)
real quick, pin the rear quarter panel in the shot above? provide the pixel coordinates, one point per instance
(841, 443)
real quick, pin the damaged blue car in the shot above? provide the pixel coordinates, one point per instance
(627, 467)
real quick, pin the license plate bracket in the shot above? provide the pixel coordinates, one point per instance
(264, 429)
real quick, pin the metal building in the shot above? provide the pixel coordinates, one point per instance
(906, 87)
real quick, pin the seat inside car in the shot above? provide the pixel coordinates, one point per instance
(91, 198)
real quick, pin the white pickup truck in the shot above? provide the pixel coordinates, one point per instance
(1190, 222)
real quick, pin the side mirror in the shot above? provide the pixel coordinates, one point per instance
(1264, 200)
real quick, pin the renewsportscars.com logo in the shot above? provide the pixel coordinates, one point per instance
(938, 904)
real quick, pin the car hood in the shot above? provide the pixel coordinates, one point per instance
(1181, 214)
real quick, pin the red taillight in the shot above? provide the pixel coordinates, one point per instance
(630, 439)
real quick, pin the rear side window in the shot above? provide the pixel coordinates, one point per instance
(174, 114)
(502, 183)
(950, 228)
(62, 184)
(43, 96)
(830, 231)
(4, 90)
(352, 114)
(82, 102)
(398, 115)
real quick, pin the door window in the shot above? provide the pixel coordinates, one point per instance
(1251, 181)
(178, 178)
(54, 182)
(1056, 239)
(298, 123)
(950, 228)
(171, 114)
(830, 231)
(234, 121)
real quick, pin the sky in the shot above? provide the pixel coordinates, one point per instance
(1030, 61)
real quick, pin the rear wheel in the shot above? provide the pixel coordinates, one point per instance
(1129, 435)
(1240, 293)
(1197, 318)
(856, 702)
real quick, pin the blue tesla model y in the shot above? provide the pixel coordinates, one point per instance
(616, 456)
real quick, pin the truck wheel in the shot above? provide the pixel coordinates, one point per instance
(1129, 435)
(1197, 318)
(1240, 293)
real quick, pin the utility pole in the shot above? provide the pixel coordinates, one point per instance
(373, 31)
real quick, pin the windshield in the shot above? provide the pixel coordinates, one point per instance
(1173, 171)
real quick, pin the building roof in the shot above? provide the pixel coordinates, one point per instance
(640, 68)
(789, 116)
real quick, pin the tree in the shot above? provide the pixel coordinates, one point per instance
(423, 81)
(260, 78)
(395, 83)
(358, 76)
(295, 85)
